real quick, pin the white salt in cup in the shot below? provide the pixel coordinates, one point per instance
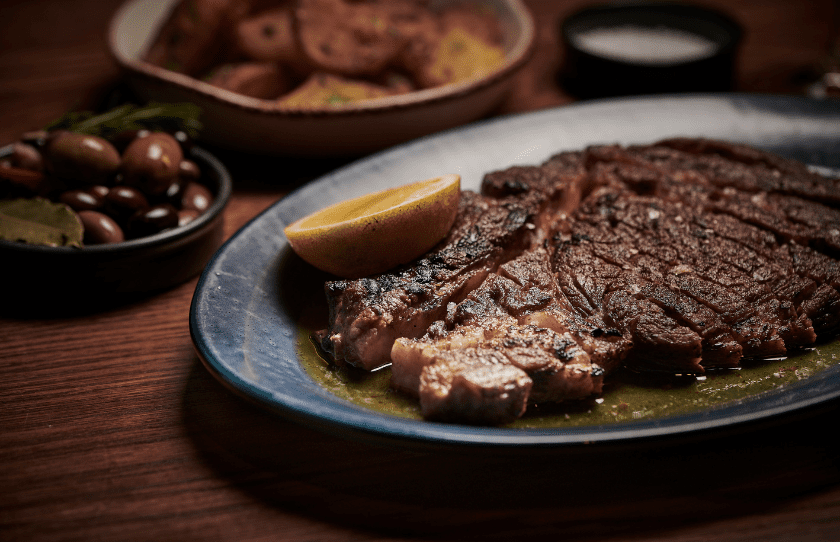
(648, 48)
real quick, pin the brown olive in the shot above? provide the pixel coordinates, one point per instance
(185, 216)
(122, 139)
(189, 171)
(26, 156)
(196, 196)
(99, 190)
(173, 194)
(151, 163)
(100, 229)
(81, 200)
(122, 202)
(82, 158)
(16, 182)
(152, 220)
(22, 180)
(187, 143)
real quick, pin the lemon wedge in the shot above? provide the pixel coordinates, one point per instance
(376, 232)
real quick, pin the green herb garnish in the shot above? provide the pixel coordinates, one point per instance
(167, 117)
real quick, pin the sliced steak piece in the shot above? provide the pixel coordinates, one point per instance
(659, 341)
(679, 261)
(819, 302)
(752, 191)
(810, 286)
(410, 356)
(562, 178)
(604, 344)
(489, 319)
(473, 386)
(555, 188)
(725, 165)
(368, 314)
(558, 369)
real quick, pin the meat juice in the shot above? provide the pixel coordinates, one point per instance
(627, 396)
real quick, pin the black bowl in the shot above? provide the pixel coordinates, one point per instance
(621, 49)
(59, 281)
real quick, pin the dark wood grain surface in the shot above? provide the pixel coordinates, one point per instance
(111, 429)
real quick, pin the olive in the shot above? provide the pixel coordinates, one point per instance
(187, 143)
(151, 163)
(100, 229)
(173, 193)
(82, 158)
(99, 190)
(22, 180)
(196, 196)
(152, 220)
(17, 182)
(122, 139)
(81, 200)
(189, 171)
(122, 202)
(26, 156)
(185, 216)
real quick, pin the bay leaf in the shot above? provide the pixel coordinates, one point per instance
(40, 222)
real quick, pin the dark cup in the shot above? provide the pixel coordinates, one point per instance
(622, 49)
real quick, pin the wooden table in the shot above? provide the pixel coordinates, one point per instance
(111, 429)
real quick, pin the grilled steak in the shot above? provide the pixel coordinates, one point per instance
(678, 256)
(499, 317)
(368, 315)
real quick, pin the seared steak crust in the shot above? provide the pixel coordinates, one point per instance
(678, 256)
(739, 231)
(367, 315)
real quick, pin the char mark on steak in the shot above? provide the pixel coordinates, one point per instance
(745, 168)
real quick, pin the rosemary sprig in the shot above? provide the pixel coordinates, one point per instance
(169, 117)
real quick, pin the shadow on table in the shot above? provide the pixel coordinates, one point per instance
(481, 494)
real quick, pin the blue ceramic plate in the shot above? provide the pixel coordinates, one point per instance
(251, 297)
